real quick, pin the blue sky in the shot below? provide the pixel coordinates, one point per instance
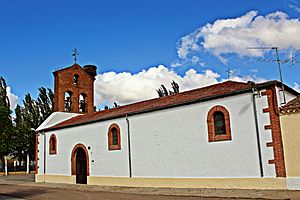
(166, 39)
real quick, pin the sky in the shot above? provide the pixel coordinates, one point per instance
(138, 45)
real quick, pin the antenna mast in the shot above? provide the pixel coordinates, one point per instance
(279, 68)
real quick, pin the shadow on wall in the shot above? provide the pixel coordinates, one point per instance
(244, 109)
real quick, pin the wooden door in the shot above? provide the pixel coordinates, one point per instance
(81, 168)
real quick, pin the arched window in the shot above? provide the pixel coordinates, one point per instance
(75, 79)
(114, 138)
(68, 102)
(114, 135)
(52, 144)
(218, 124)
(82, 103)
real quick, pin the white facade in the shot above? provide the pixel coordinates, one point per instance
(169, 143)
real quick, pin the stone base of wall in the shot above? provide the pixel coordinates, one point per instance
(55, 179)
(293, 183)
(221, 183)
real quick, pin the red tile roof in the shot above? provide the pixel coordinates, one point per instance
(291, 107)
(196, 95)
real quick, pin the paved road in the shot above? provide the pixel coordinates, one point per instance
(24, 187)
(38, 193)
(9, 198)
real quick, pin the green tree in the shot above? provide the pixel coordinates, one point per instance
(6, 128)
(162, 91)
(45, 103)
(28, 117)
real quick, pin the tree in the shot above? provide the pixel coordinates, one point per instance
(45, 103)
(6, 128)
(175, 87)
(162, 91)
(29, 116)
(116, 105)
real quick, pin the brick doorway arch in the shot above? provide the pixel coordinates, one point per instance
(80, 163)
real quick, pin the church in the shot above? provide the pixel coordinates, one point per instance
(226, 135)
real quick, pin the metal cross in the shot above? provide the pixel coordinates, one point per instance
(75, 54)
(228, 73)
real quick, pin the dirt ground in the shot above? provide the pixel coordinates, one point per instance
(37, 193)
(19, 185)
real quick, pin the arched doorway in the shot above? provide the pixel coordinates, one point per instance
(80, 163)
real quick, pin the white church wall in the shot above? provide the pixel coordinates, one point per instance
(265, 136)
(174, 142)
(171, 143)
(40, 154)
(102, 162)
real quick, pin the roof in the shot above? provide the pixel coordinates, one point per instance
(56, 118)
(219, 90)
(291, 107)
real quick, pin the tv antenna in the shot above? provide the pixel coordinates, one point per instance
(278, 60)
(75, 54)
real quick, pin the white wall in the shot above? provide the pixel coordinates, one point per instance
(174, 142)
(106, 163)
(40, 154)
(265, 135)
(170, 143)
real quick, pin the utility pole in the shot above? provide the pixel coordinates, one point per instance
(280, 74)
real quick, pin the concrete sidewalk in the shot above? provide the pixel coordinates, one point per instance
(28, 180)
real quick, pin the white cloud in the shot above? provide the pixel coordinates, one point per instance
(293, 6)
(246, 78)
(125, 87)
(176, 64)
(13, 99)
(296, 87)
(193, 61)
(234, 35)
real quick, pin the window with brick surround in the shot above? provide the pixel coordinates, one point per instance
(218, 124)
(114, 137)
(52, 144)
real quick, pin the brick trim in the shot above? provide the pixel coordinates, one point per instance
(267, 127)
(265, 110)
(271, 162)
(52, 139)
(269, 144)
(212, 137)
(73, 159)
(111, 146)
(36, 152)
(276, 132)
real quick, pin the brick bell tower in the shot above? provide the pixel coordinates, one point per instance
(74, 89)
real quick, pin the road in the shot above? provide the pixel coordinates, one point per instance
(22, 187)
(38, 193)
